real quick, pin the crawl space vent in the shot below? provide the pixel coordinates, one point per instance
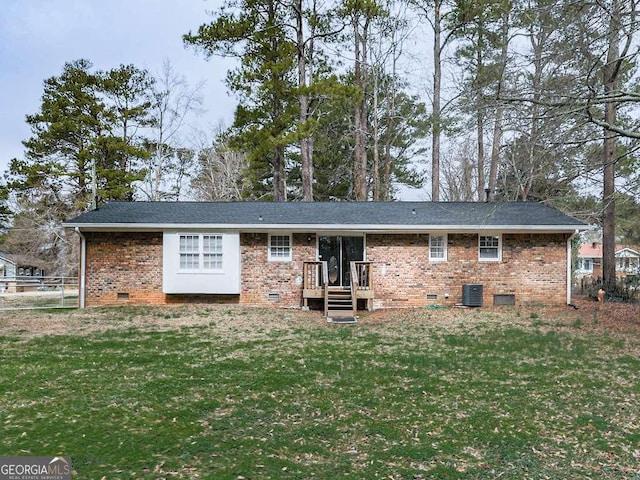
(274, 297)
(504, 299)
(123, 296)
(432, 296)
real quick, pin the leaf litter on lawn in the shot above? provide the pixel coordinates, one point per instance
(487, 391)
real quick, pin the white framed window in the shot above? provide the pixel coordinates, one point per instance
(200, 252)
(585, 264)
(280, 248)
(212, 252)
(490, 248)
(438, 248)
(189, 252)
(201, 262)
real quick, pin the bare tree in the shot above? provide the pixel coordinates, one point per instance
(500, 80)
(361, 15)
(459, 171)
(173, 102)
(36, 234)
(218, 172)
(599, 40)
(435, 12)
(304, 46)
(619, 41)
(385, 51)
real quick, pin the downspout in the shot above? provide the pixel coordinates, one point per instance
(569, 265)
(82, 269)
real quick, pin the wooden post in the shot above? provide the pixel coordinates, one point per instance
(601, 293)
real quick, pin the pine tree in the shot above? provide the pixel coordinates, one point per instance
(252, 31)
(84, 141)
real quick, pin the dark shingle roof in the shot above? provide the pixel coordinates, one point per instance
(375, 215)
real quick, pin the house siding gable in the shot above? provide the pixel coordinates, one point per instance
(7, 268)
(225, 280)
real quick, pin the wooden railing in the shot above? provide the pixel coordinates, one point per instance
(313, 273)
(355, 285)
(325, 287)
(315, 281)
(362, 273)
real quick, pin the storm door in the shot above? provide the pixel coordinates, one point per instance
(339, 252)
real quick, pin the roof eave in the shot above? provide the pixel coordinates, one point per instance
(366, 228)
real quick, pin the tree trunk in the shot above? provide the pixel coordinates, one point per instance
(279, 194)
(303, 100)
(497, 126)
(495, 150)
(611, 72)
(609, 205)
(391, 92)
(360, 153)
(538, 42)
(386, 175)
(480, 120)
(375, 168)
(277, 78)
(437, 79)
(480, 134)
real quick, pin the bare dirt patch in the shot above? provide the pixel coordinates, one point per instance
(250, 322)
(225, 318)
(610, 315)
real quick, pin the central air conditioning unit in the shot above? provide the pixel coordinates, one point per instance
(472, 295)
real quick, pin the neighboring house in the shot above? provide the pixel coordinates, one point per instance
(589, 261)
(371, 254)
(18, 272)
(8, 266)
(19, 266)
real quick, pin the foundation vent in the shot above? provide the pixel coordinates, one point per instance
(504, 299)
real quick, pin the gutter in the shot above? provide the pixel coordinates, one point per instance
(569, 265)
(311, 227)
(82, 269)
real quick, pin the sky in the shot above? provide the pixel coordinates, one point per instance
(37, 37)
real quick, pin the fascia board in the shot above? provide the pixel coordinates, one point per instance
(8, 261)
(367, 228)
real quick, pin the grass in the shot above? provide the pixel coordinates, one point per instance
(38, 300)
(231, 393)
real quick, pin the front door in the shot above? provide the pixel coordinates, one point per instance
(339, 252)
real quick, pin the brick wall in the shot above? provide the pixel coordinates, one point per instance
(124, 264)
(260, 277)
(533, 267)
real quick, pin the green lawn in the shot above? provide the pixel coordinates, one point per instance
(50, 299)
(231, 393)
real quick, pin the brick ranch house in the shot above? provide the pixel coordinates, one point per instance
(334, 254)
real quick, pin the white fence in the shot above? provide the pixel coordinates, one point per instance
(38, 292)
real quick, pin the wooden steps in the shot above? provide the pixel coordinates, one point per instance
(340, 306)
